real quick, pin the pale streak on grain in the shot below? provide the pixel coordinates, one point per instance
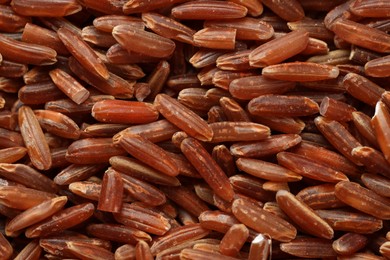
(34, 139)
(183, 118)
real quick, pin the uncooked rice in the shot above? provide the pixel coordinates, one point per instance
(176, 129)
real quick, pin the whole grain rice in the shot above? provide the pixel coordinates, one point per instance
(172, 129)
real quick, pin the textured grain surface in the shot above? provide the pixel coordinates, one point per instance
(247, 28)
(210, 10)
(124, 112)
(371, 38)
(216, 38)
(363, 199)
(37, 147)
(207, 167)
(183, 117)
(143, 42)
(61, 220)
(263, 222)
(39, 35)
(279, 49)
(303, 215)
(46, 8)
(349, 243)
(149, 153)
(29, 53)
(282, 106)
(73, 89)
(144, 219)
(36, 214)
(82, 52)
(351, 221)
(111, 194)
(308, 168)
(308, 247)
(233, 240)
(300, 71)
(287, 10)
(246, 88)
(168, 129)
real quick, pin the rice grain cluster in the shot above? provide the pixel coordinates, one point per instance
(203, 129)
